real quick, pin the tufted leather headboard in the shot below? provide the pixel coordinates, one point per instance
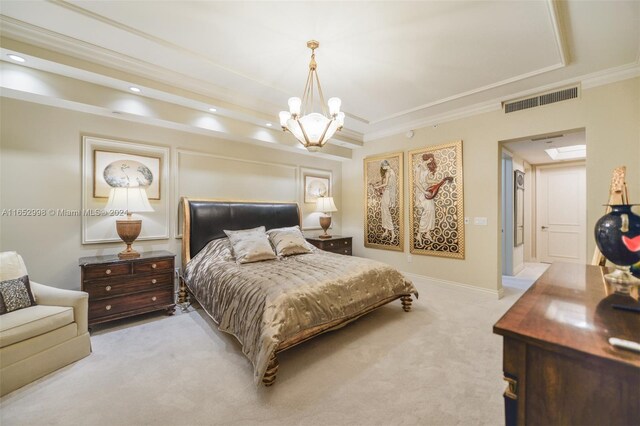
(206, 220)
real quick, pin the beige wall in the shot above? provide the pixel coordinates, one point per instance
(41, 166)
(611, 116)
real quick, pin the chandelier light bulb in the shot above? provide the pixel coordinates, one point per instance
(284, 117)
(334, 106)
(294, 106)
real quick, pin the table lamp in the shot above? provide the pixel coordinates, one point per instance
(131, 200)
(326, 206)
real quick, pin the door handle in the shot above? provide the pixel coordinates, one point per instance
(544, 227)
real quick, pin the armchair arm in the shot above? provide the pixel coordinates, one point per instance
(52, 296)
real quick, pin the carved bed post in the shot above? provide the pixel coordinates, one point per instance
(272, 369)
(182, 294)
(406, 303)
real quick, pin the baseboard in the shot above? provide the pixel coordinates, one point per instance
(446, 283)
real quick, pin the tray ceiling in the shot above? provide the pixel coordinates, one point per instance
(392, 63)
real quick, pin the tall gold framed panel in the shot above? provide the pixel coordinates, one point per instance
(436, 201)
(384, 201)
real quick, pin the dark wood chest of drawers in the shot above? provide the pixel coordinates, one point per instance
(120, 288)
(335, 244)
(557, 360)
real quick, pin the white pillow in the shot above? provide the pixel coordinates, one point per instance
(250, 245)
(288, 241)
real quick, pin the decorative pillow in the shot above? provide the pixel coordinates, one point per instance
(288, 241)
(15, 294)
(250, 245)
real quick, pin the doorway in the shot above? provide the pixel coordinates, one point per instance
(551, 225)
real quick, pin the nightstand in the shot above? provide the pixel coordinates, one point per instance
(335, 244)
(120, 288)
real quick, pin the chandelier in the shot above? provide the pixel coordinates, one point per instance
(312, 129)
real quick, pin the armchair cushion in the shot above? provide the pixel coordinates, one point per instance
(26, 323)
(15, 294)
(78, 300)
(11, 266)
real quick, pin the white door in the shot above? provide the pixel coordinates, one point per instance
(561, 213)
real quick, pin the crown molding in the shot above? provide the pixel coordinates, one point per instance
(67, 51)
(471, 92)
(157, 40)
(587, 81)
(16, 82)
(556, 13)
(611, 75)
(561, 46)
(453, 115)
(56, 43)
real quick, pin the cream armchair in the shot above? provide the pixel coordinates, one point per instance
(40, 339)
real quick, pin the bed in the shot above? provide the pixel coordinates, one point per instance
(273, 305)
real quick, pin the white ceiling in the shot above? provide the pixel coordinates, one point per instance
(395, 65)
(532, 150)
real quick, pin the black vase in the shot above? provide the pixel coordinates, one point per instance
(618, 235)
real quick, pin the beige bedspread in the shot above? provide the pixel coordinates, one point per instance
(265, 303)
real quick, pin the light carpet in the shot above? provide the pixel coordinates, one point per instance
(440, 364)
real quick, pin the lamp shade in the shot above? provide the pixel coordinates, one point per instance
(131, 200)
(325, 205)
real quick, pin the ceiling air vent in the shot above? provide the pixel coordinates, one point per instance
(546, 99)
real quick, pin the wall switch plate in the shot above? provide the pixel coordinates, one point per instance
(480, 221)
(409, 258)
(466, 220)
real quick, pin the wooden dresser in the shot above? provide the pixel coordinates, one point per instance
(120, 288)
(335, 244)
(558, 364)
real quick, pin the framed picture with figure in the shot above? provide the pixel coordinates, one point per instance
(383, 201)
(436, 206)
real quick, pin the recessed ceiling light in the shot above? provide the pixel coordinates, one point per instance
(135, 89)
(212, 109)
(16, 58)
(567, 152)
(269, 124)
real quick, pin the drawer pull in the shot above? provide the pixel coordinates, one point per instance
(108, 288)
(346, 242)
(154, 298)
(108, 272)
(330, 244)
(108, 307)
(153, 281)
(154, 266)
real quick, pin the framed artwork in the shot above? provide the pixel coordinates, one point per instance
(316, 186)
(312, 184)
(436, 206)
(384, 204)
(118, 166)
(146, 163)
(518, 208)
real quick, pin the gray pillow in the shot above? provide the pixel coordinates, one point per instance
(250, 245)
(288, 241)
(15, 294)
